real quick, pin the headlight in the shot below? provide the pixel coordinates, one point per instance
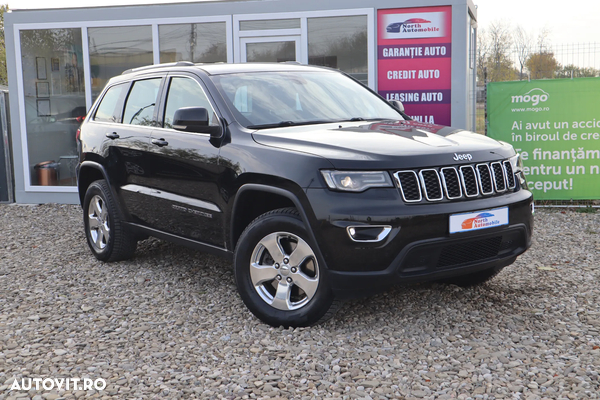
(516, 163)
(356, 181)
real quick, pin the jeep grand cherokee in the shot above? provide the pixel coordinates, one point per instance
(313, 185)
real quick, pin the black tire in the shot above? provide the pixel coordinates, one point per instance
(474, 279)
(106, 234)
(305, 297)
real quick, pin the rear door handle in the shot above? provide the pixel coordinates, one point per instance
(112, 135)
(160, 142)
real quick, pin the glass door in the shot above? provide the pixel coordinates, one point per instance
(270, 49)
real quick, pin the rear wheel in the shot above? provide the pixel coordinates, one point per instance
(278, 273)
(106, 234)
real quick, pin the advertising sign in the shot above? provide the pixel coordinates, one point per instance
(414, 47)
(555, 125)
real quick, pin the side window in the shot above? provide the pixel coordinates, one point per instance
(111, 105)
(186, 92)
(139, 109)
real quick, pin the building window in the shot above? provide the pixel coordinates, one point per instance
(198, 43)
(54, 93)
(276, 51)
(340, 42)
(117, 49)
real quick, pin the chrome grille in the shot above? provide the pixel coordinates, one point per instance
(469, 180)
(432, 184)
(498, 173)
(484, 174)
(510, 176)
(408, 182)
(451, 183)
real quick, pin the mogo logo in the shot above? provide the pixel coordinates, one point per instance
(534, 96)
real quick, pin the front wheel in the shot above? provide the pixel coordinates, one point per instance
(279, 274)
(106, 234)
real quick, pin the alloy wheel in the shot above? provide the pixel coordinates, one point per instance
(284, 271)
(98, 227)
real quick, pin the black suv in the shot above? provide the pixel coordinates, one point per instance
(316, 187)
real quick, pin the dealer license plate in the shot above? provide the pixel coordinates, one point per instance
(478, 220)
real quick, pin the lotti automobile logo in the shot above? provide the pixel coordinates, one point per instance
(478, 220)
(407, 26)
(413, 25)
(482, 220)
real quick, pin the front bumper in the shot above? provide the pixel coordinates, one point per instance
(419, 246)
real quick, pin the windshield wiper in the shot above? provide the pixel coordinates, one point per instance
(275, 125)
(355, 119)
(287, 123)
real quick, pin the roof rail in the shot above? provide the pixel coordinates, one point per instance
(173, 64)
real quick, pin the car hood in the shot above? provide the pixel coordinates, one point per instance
(387, 144)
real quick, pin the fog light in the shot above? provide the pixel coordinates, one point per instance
(368, 233)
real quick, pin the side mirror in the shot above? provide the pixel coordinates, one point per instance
(397, 105)
(195, 119)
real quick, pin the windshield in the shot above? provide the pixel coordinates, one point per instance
(271, 99)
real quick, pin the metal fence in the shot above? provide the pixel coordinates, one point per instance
(584, 57)
(585, 60)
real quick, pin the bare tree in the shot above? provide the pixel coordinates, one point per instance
(542, 41)
(523, 44)
(499, 42)
(541, 63)
(482, 54)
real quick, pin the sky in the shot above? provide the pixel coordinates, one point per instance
(572, 21)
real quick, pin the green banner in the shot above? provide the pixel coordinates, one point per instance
(555, 125)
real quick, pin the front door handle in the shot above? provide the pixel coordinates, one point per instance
(160, 142)
(112, 135)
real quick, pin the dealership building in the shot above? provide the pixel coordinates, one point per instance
(421, 52)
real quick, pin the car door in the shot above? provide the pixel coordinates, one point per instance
(129, 148)
(185, 168)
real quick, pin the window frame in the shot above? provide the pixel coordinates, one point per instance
(156, 101)
(119, 106)
(161, 110)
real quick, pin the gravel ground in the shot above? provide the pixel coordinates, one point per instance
(169, 324)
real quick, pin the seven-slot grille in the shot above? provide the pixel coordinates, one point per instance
(452, 183)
